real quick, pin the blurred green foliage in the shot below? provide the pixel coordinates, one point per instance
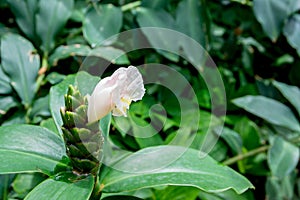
(254, 43)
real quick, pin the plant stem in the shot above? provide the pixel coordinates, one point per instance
(96, 194)
(253, 152)
(130, 6)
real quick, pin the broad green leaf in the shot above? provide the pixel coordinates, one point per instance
(54, 78)
(196, 27)
(4, 30)
(50, 19)
(159, 20)
(63, 52)
(121, 197)
(85, 83)
(232, 138)
(105, 125)
(23, 183)
(24, 11)
(273, 189)
(227, 195)
(270, 110)
(272, 14)
(6, 103)
(57, 189)
(144, 133)
(18, 117)
(177, 193)
(39, 109)
(5, 87)
(111, 54)
(155, 4)
(249, 132)
(291, 93)
(189, 169)
(100, 23)
(282, 157)
(21, 66)
(27, 148)
(49, 124)
(292, 30)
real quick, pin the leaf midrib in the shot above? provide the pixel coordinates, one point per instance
(31, 154)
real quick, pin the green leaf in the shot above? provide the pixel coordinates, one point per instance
(39, 109)
(155, 4)
(111, 54)
(27, 148)
(49, 124)
(102, 22)
(105, 125)
(23, 183)
(5, 182)
(5, 87)
(53, 189)
(282, 157)
(63, 52)
(292, 30)
(54, 78)
(121, 197)
(189, 169)
(6, 103)
(159, 20)
(21, 66)
(144, 133)
(291, 93)
(272, 14)
(177, 193)
(232, 138)
(24, 12)
(50, 19)
(196, 28)
(18, 117)
(270, 110)
(227, 195)
(249, 132)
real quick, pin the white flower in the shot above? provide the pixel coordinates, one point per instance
(115, 93)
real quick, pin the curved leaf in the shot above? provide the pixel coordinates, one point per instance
(111, 54)
(292, 30)
(188, 170)
(24, 12)
(272, 13)
(291, 93)
(283, 157)
(63, 189)
(101, 22)
(62, 52)
(270, 110)
(27, 148)
(162, 20)
(21, 66)
(6, 103)
(5, 87)
(51, 17)
(196, 28)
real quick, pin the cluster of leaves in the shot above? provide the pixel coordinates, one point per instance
(43, 43)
